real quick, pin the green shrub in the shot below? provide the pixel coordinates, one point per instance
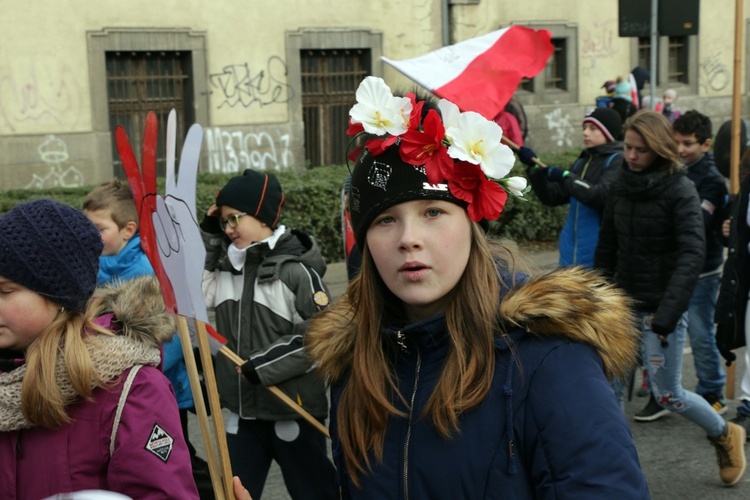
(313, 204)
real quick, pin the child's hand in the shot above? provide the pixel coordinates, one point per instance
(725, 228)
(213, 211)
(240, 493)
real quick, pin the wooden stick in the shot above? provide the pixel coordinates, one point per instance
(515, 146)
(200, 408)
(734, 148)
(280, 394)
(213, 400)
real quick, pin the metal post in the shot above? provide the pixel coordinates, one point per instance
(654, 48)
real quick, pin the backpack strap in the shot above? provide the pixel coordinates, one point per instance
(121, 405)
(611, 157)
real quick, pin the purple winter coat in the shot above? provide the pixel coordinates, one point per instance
(150, 459)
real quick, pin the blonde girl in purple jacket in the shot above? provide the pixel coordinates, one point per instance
(83, 404)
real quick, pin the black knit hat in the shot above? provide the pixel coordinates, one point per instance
(52, 249)
(255, 193)
(379, 182)
(608, 121)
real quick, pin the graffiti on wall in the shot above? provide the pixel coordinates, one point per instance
(716, 76)
(238, 85)
(231, 151)
(597, 42)
(54, 153)
(42, 96)
(560, 128)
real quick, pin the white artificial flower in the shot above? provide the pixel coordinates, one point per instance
(449, 112)
(378, 110)
(516, 185)
(476, 139)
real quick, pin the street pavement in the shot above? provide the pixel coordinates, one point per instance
(677, 459)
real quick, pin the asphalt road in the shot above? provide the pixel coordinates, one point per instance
(676, 458)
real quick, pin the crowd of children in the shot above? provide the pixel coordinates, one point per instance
(429, 397)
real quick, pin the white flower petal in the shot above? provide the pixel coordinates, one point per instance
(449, 112)
(378, 110)
(516, 185)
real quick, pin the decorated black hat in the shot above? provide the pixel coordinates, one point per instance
(422, 149)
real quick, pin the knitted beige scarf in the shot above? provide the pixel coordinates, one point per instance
(111, 356)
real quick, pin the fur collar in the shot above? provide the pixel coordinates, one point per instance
(568, 303)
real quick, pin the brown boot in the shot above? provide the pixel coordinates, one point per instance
(730, 452)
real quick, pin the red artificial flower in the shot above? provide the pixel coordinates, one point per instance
(426, 148)
(486, 198)
(416, 111)
(378, 145)
(354, 128)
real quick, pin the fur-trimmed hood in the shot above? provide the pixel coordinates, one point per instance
(569, 303)
(138, 307)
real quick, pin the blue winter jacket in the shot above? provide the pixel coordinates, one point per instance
(128, 263)
(550, 426)
(585, 188)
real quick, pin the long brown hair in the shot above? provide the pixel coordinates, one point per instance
(656, 132)
(42, 400)
(472, 320)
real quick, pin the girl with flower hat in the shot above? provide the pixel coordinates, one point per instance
(451, 372)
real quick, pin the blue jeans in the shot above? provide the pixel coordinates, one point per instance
(702, 333)
(664, 362)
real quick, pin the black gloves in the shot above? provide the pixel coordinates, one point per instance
(248, 370)
(556, 174)
(210, 224)
(525, 155)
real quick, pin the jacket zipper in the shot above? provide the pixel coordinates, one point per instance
(411, 421)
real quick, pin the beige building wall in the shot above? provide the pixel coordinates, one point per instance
(54, 127)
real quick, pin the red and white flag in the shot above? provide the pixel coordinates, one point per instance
(481, 74)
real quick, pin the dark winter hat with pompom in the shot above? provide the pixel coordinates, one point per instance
(256, 193)
(608, 121)
(52, 249)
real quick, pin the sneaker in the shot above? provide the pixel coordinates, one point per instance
(742, 420)
(644, 390)
(730, 453)
(652, 411)
(717, 403)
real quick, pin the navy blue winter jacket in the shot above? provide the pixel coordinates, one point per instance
(549, 428)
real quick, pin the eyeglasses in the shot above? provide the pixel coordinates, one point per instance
(231, 221)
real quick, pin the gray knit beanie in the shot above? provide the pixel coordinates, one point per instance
(52, 249)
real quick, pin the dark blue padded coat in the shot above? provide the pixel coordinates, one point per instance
(550, 426)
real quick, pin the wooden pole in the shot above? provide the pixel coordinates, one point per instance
(280, 394)
(213, 400)
(514, 146)
(200, 408)
(734, 168)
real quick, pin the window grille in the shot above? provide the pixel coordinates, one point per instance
(142, 81)
(329, 82)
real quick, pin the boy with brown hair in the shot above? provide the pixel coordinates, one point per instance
(111, 207)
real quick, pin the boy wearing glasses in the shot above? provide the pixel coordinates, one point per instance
(264, 287)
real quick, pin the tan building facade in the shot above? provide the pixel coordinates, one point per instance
(271, 82)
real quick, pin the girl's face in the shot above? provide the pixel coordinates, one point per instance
(592, 135)
(420, 249)
(638, 156)
(23, 315)
(247, 229)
